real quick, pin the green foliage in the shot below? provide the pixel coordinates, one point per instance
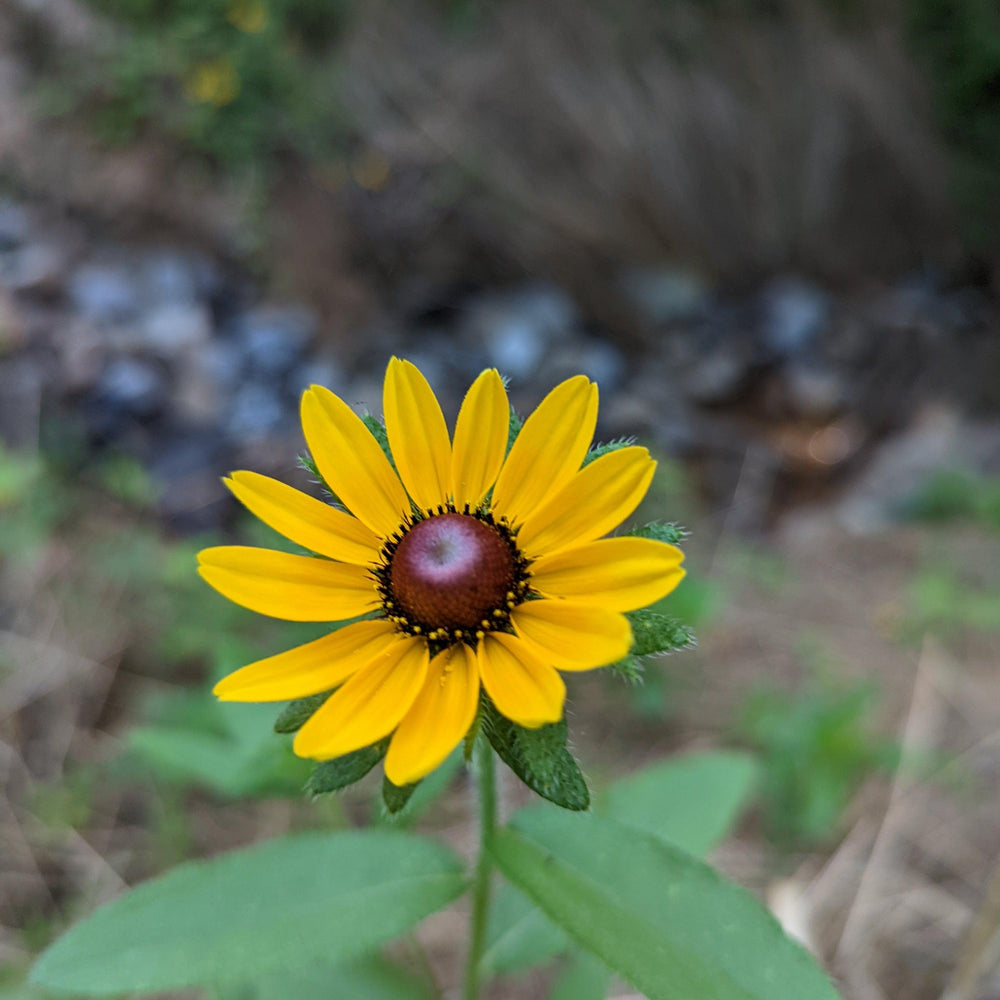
(518, 934)
(691, 802)
(583, 978)
(538, 757)
(372, 977)
(238, 80)
(298, 712)
(288, 903)
(658, 917)
(426, 792)
(939, 600)
(816, 747)
(958, 42)
(396, 797)
(337, 774)
(950, 495)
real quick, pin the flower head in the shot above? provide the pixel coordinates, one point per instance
(476, 567)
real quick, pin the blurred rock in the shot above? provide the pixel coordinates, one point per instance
(171, 277)
(33, 267)
(275, 338)
(662, 295)
(814, 390)
(104, 293)
(323, 370)
(16, 225)
(136, 386)
(517, 327)
(187, 469)
(173, 329)
(599, 360)
(719, 376)
(13, 331)
(81, 354)
(794, 314)
(257, 411)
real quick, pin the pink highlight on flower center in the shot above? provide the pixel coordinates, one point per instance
(451, 571)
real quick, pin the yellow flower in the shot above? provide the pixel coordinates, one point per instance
(478, 569)
(213, 82)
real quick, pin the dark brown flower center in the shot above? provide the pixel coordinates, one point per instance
(451, 573)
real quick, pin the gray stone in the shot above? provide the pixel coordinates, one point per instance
(15, 225)
(223, 362)
(104, 293)
(257, 412)
(172, 277)
(599, 360)
(717, 377)
(814, 390)
(275, 338)
(517, 327)
(173, 329)
(33, 267)
(136, 386)
(663, 295)
(794, 314)
(316, 371)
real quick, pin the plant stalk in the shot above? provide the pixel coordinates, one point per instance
(487, 789)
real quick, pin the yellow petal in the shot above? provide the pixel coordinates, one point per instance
(317, 666)
(305, 520)
(597, 499)
(352, 461)
(296, 588)
(417, 434)
(524, 688)
(573, 636)
(480, 439)
(548, 450)
(439, 718)
(369, 706)
(618, 574)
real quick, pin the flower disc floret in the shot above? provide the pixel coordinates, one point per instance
(452, 577)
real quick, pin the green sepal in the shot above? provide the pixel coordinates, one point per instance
(335, 775)
(514, 428)
(661, 531)
(605, 449)
(538, 757)
(298, 712)
(654, 633)
(396, 797)
(379, 433)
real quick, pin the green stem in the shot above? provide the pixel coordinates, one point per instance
(481, 881)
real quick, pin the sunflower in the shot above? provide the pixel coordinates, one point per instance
(471, 567)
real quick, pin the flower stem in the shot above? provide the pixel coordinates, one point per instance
(486, 775)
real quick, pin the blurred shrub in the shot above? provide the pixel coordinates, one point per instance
(238, 80)
(816, 746)
(959, 43)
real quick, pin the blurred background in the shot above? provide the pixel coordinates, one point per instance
(768, 228)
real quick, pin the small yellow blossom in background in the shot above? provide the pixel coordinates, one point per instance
(214, 81)
(248, 16)
(371, 169)
(477, 567)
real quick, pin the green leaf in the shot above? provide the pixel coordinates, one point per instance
(654, 633)
(379, 433)
(436, 783)
(661, 531)
(691, 802)
(370, 977)
(584, 978)
(538, 757)
(395, 797)
(297, 713)
(518, 934)
(660, 918)
(284, 904)
(334, 775)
